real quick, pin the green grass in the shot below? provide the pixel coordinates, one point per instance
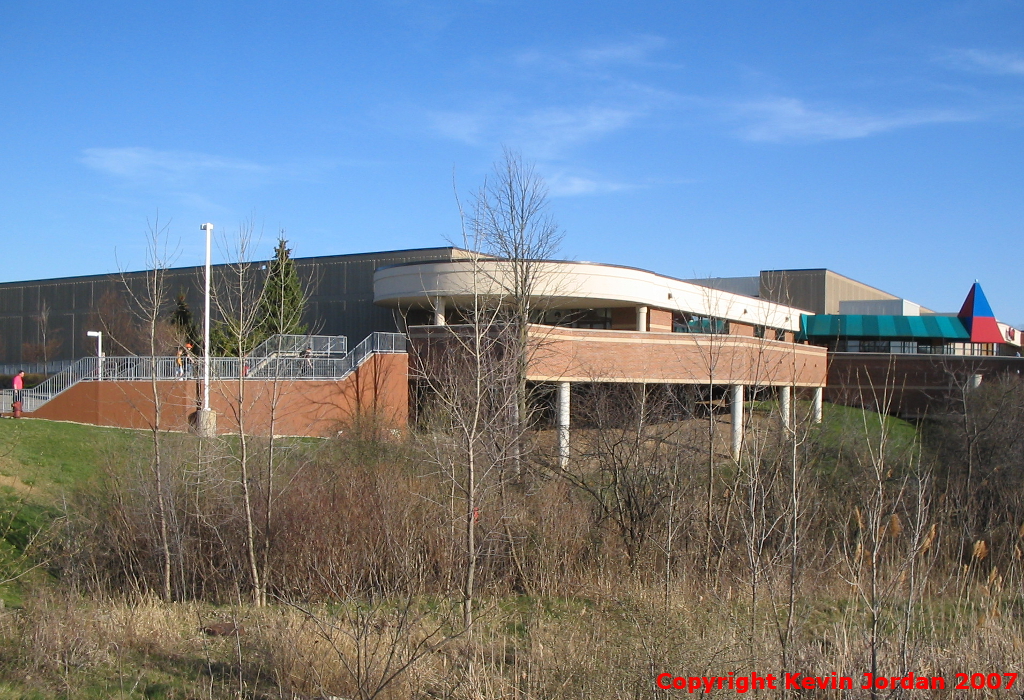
(841, 425)
(47, 459)
(41, 462)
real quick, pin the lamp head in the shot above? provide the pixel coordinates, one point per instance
(206, 227)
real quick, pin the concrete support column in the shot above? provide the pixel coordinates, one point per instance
(785, 406)
(641, 318)
(816, 405)
(439, 309)
(563, 424)
(206, 423)
(736, 403)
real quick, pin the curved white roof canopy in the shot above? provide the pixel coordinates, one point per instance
(571, 285)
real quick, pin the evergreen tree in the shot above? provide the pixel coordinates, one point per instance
(184, 323)
(283, 300)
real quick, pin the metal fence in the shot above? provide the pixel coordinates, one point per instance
(318, 345)
(128, 369)
(51, 367)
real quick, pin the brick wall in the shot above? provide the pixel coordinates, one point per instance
(306, 408)
(564, 354)
(659, 321)
(582, 355)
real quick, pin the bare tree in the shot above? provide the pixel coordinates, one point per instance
(630, 462)
(48, 341)
(281, 305)
(148, 302)
(881, 553)
(237, 296)
(474, 373)
(466, 376)
(511, 222)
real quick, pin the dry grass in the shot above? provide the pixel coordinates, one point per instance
(610, 643)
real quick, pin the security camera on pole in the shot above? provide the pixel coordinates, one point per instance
(206, 420)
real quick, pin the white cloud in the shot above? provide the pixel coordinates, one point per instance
(467, 127)
(636, 51)
(551, 130)
(541, 133)
(146, 164)
(989, 61)
(789, 119)
(564, 185)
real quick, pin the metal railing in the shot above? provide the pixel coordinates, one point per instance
(51, 367)
(319, 346)
(127, 369)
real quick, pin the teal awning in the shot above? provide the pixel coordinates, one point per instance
(891, 327)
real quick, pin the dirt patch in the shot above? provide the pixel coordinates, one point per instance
(17, 484)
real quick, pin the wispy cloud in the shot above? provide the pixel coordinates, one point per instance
(552, 129)
(172, 167)
(988, 61)
(637, 51)
(790, 119)
(469, 127)
(562, 98)
(561, 184)
(542, 133)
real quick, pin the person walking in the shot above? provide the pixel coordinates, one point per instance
(18, 384)
(189, 359)
(307, 354)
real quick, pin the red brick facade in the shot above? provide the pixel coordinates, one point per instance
(306, 408)
(583, 355)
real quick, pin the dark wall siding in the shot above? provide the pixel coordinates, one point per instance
(339, 289)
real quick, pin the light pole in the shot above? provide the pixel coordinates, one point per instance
(98, 335)
(207, 420)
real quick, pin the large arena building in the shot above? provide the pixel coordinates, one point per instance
(791, 333)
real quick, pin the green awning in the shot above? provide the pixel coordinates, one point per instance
(890, 327)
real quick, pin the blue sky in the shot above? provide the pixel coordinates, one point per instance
(692, 138)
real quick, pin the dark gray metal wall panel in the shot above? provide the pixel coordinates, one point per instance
(10, 336)
(11, 300)
(339, 288)
(804, 289)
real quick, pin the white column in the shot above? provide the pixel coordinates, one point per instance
(785, 405)
(206, 419)
(439, 309)
(563, 424)
(736, 403)
(816, 405)
(206, 322)
(641, 318)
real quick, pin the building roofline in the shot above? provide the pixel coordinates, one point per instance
(579, 262)
(107, 275)
(827, 270)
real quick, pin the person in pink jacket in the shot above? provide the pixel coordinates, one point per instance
(18, 384)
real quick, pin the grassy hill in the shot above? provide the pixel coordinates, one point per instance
(40, 461)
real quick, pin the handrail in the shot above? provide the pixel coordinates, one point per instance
(283, 344)
(138, 368)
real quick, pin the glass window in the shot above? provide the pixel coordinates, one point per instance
(691, 323)
(577, 318)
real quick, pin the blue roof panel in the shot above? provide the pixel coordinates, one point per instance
(894, 327)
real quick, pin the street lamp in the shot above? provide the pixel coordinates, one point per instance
(98, 335)
(206, 419)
